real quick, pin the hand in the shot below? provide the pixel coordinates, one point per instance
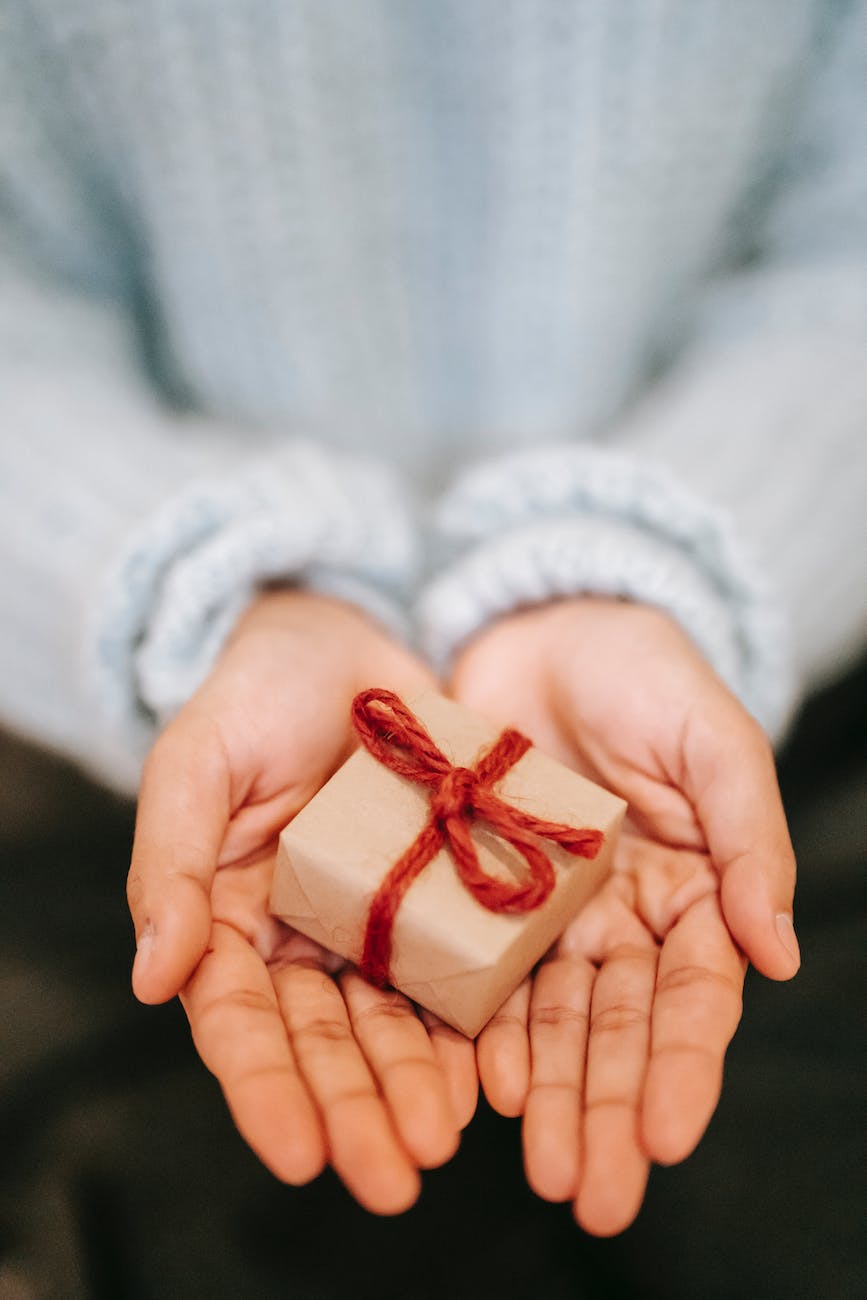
(613, 1051)
(314, 1063)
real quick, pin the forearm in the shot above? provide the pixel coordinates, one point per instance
(769, 427)
(132, 536)
(732, 497)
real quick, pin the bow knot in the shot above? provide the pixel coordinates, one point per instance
(454, 796)
(395, 736)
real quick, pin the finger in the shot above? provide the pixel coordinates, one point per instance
(362, 1144)
(402, 1059)
(182, 816)
(503, 1054)
(615, 1168)
(240, 1036)
(457, 1057)
(732, 780)
(696, 1009)
(559, 1015)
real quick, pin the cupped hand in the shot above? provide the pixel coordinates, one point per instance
(613, 1050)
(315, 1064)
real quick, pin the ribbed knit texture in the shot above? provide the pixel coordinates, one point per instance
(583, 285)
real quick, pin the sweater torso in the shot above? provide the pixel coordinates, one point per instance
(418, 228)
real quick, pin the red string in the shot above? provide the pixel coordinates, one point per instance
(394, 736)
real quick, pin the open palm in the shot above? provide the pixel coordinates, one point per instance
(613, 1049)
(315, 1064)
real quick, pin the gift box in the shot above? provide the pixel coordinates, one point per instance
(430, 861)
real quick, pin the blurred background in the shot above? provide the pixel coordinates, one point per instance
(123, 1177)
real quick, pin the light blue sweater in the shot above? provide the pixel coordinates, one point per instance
(445, 306)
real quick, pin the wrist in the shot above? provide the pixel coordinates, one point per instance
(333, 639)
(568, 626)
(288, 608)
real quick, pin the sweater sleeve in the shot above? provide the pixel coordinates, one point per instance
(733, 494)
(132, 534)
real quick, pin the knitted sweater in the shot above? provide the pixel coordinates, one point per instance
(446, 307)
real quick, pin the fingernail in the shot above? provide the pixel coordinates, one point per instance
(144, 948)
(787, 937)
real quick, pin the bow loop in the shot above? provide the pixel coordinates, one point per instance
(394, 735)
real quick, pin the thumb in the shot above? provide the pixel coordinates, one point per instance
(757, 904)
(733, 785)
(182, 817)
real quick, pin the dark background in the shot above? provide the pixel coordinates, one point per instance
(124, 1179)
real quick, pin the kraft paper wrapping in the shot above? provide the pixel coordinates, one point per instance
(449, 954)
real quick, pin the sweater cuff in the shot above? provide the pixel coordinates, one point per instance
(564, 521)
(302, 515)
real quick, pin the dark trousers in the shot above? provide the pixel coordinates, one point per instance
(123, 1178)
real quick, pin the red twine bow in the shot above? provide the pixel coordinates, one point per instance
(394, 736)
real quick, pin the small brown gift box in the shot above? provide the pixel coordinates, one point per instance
(449, 952)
